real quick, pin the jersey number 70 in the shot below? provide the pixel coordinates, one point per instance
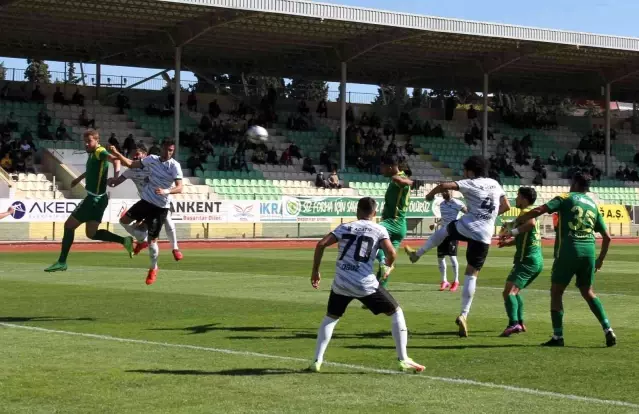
(359, 244)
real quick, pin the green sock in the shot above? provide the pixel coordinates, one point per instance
(597, 308)
(512, 307)
(107, 236)
(67, 242)
(557, 322)
(520, 309)
(381, 258)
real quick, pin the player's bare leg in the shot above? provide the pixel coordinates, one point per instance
(171, 234)
(468, 293)
(154, 252)
(433, 241)
(597, 309)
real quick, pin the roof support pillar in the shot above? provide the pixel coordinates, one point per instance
(607, 142)
(98, 79)
(176, 102)
(484, 133)
(342, 117)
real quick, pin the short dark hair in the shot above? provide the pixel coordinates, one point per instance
(168, 142)
(477, 164)
(528, 193)
(391, 160)
(367, 206)
(582, 179)
(141, 148)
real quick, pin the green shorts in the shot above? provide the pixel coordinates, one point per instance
(523, 274)
(91, 209)
(565, 268)
(397, 230)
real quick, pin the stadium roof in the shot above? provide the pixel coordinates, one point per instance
(297, 38)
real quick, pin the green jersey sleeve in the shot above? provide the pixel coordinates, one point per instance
(555, 204)
(600, 226)
(102, 154)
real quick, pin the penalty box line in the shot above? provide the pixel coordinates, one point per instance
(362, 368)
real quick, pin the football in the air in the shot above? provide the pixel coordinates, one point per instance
(256, 134)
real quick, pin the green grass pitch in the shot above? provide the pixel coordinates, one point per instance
(232, 331)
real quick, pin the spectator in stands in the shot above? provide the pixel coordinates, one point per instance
(320, 182)
(634, 176)
(77, 98)
(325, 157)
(308, 166)
(214, 109)
(333, 179)
(526, 142)
(44, 118)
(510, 171)
(7, 163)
(538, 166)
(470, 138)
(285, 158)
(129, 146)
(552, 160)
(271, 156)
(122, 102)
(502, 148)
(27, 135)
(294, 150)
(205, 124)
(410, 150)
(25, 147)
(376, 121)
(322, 109)
(12, 122)
(472, 116)
(438, 131)
(194, 162)
(588, 159)
(29, 164)
(61, 133)
(84, 120)
(302, 108)
(170, 99)
(538, 179)
(362, 165)
(37, 95)
(620, 175)
(392, 148)
(350, 115)
(58, 97)
(4, 92)
(595, 172)
(191, 101)
(626, 172)
(364, 120)
(154, 150)
(636, 158)
(114, 141)
(259, 157)
(569, 159)
(44, 133)
(576, 158)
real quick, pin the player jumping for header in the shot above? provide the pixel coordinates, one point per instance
(527, 264)
(579, 219)
(140, 177)
(485, 200)
(91, 209)
(396, 202)
(354, 279)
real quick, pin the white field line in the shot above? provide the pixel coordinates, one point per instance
(531, 391)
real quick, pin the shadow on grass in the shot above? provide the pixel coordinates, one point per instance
(313, 335)
(444, 347)
(18, 319)
(212, 327)
(240, 372)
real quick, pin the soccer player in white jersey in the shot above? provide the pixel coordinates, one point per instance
(140, 177)
(355, 279)
(449, 211)
(164, 171)
(485, 200)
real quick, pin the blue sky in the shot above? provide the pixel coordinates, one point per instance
(614, 17)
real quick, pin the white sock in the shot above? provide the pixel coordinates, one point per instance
(470, 282)
(154, 252)
(400, 333)
(171, 234)
(442, 268)
(433, 241)
(455, 264)
(324, 335)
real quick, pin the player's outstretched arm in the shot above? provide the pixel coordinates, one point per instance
(440, 188)
(402, 181)
(532, 214)
(78, 180)
(389, 251)
(115, 155)
(504, 205)
(173, 190)
(7, 213)
(600, 227)
(327, 241)
(525, 227)
(116, 181)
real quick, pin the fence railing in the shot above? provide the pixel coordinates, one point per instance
(156, 84)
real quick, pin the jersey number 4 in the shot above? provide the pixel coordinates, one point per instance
(359, 242)
(488, 204)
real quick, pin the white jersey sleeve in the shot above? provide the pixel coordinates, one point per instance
(139, 176)
(449, 211)
(483, 198)
(358, 245)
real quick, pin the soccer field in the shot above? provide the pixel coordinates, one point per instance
(233, 330)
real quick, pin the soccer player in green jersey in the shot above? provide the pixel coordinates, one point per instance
(579, 219)
(91, 209)
(527, 264)
(396, 203)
